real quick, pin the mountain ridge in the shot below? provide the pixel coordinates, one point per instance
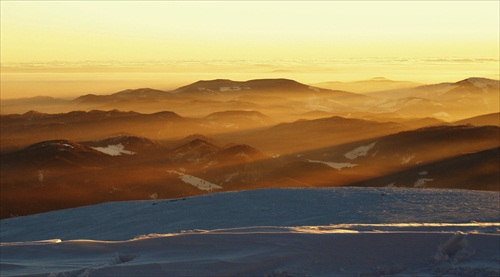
(286, 97)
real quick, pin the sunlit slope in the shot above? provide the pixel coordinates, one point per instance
(305, 135)
(19, 130)
(61, 174)
(478, 170)
(487, 119)
(410, 150)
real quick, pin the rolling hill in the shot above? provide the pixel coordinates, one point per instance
(285, 99)
(478, 171)
(368, 86)
(481, 120)
(466, 98)
(294, 135)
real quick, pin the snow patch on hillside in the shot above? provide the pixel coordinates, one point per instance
(114, 150)
(196, 182)
(230, 176)
(407, 159)
(335, 165)
(420, 183)
(233, 88)
(441, 114)
(483, 84)
(359, 152)
(315, 89)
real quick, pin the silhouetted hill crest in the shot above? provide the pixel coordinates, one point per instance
(59, 153)
(32, 113)
(472, 84)
(142, 92)
(193, 151)
(481, 120)
(241, 152)
(130, 143)
(224, 114)
(225, 85)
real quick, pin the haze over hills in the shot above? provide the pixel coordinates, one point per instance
(285, 98)
(478, 170)
(224, 135)
(249, 138)
(462, 88)
(397, 172)
(487, 119)
(369, 86)
(127, 167)
(465, 98)
(304, 135)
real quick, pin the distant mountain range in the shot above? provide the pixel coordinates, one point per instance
(223, 135)
(487, 119)
(371, 85)
(30, 127)
(466, 98)
(288, 98)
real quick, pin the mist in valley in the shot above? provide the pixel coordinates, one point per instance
(223, 135)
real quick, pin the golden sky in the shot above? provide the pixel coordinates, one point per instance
(69, 48)
(142, 30)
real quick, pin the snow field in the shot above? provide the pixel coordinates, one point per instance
(270, 232)
(265, 252)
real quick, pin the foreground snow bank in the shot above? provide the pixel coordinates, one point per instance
(260, 252)
(273, 232)
(268, 207)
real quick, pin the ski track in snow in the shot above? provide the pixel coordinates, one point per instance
(270, 232)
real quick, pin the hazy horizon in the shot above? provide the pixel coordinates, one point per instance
(64, 79)
(66, 49)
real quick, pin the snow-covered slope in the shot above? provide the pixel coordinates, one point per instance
(269, 207)
(272, 232)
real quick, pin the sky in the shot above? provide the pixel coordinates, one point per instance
(51, 32)
(142, 30)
